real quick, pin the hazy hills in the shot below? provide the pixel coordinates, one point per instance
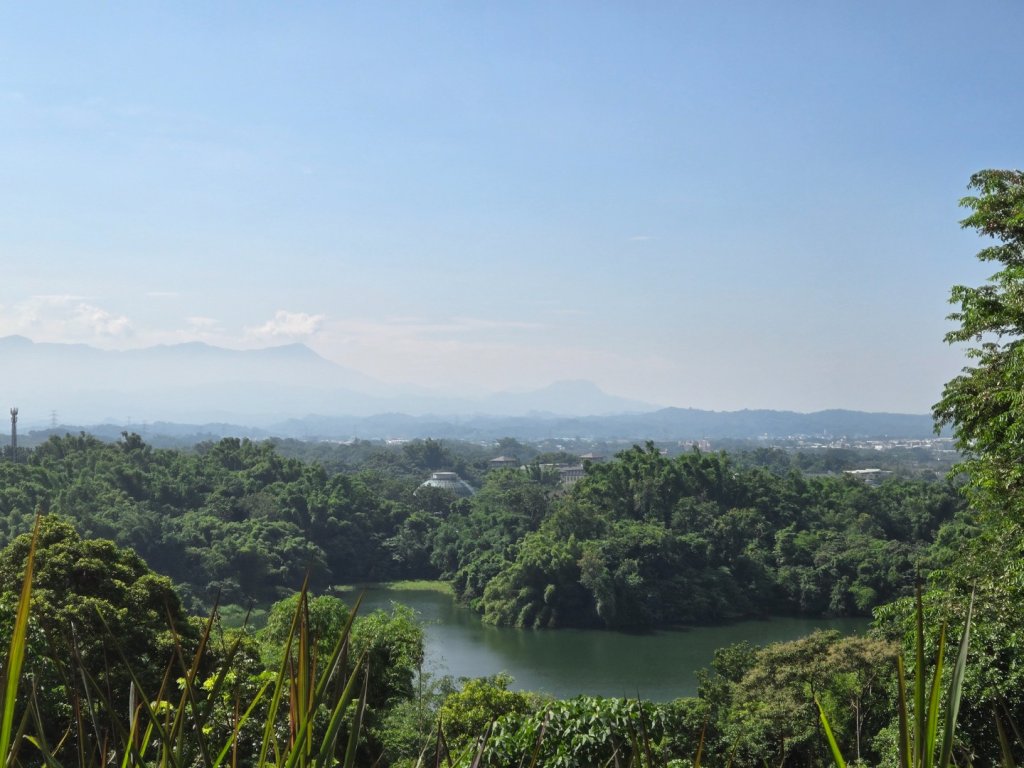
(290, 391)
(196, 382)
(190, 382)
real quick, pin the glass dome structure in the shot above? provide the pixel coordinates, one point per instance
(449, 481)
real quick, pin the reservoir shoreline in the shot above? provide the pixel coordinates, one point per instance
(658, 665)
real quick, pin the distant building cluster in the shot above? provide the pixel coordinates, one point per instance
(938, 445)
(568, 474)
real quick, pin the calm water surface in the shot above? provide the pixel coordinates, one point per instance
(566, 662)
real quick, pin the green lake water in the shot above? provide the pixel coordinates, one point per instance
(659, 666)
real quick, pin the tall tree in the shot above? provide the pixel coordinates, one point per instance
(92, 601)
(985, 403)
(985, 406)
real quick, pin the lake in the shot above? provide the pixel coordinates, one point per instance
(659, 666)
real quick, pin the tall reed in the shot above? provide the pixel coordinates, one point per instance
(921, 745)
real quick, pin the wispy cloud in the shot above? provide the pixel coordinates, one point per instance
(202, 324)
(64, 317)
(418, 327)
(641, 238)
(566, 312)
(286, 325)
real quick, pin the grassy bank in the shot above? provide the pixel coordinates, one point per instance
(408, 585)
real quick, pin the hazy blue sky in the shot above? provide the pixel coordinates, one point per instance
(718, 205)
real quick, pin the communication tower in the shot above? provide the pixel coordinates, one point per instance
(14, 434)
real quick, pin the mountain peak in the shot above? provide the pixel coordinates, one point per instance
(567, 397)
(16, 340)
(295, 349)
(573, 385)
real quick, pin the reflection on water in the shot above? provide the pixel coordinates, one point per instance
(659, 665)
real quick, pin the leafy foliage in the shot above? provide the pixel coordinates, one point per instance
(646, 540)
(84, 591)
(984, 402)
(761, 702)
(574, 733)
(985, 408)
(469, 712)
(234, 519)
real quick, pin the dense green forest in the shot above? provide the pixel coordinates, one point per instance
(642, 540)
(647, 540)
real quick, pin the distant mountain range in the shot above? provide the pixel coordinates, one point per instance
(198, 382)
(291, 391)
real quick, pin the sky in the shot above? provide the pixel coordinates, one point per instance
(709, 205)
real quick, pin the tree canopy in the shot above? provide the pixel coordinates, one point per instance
(92, 601)
(648, 540)
(985, 406)
(985, 403)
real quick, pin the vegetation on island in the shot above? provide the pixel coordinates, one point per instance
(645, 540)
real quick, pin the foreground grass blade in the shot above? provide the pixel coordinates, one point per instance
(919, 739)
(104, 705)
(441, 748)
(481, 747)
(837, 756)
(540, 740)
(238, 726)
(357, 721)
(40, 742)
(1013, 723)
(646, 738)
(218, 683)
(48, 759)
(956, 688)
(76, 659)
(191, 673)
(334, 724)
(16, 653)
(919, 686)
(1004, 741)
(932, 718)
(302, 745)
(906, 750)
(339, 651)
(163, 729)
(700, 745)
(279, 683)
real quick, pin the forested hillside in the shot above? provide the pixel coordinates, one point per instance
(643, 540)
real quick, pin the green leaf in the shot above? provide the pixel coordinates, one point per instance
(16, 653)
(956, 690)
(837, 755)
